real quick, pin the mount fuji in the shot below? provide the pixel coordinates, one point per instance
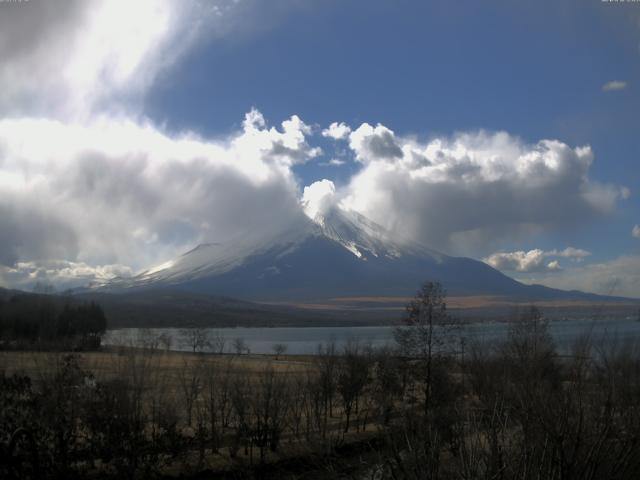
(336, 253)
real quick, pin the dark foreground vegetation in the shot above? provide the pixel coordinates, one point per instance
(434, 407)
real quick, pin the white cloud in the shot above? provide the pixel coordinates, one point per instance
(534, 260)
(318, 197)
(119, 192)
(75, 58)
(519, 261)
(553, 266)
(635, 232)
(334, 162)
(288, 147)
(164, 193)
(618, 277)
(614, 85)
(472, 193)
(570, 252)
(69, 59)
(373, 143)
(63, 274)
(625, 193)
(337, 131)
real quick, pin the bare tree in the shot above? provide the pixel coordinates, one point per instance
(165, 339)
(240, 419)
(279, 349)
(529, 339)
(299, 404)
(218, 343)
(239, 345)
(190, 382)
(389, 383)
(426, 333)
(353, 376)
(217, 399)
(147, 340)
(196, 338)
(269, 408)
(325, 387)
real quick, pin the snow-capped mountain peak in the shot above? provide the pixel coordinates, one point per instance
(334, 253)
(359, 236)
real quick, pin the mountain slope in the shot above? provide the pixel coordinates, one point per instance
(336, 254)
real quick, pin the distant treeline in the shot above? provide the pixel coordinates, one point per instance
(47, 320)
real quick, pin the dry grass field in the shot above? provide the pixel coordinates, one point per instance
(165, 367)
(245, 391)
(111, 361)
(464, 302)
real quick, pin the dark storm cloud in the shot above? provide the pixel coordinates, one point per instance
(28, 233)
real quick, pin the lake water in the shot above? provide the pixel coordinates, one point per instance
(305, 340)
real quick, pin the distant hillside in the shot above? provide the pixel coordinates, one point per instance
(175, 308)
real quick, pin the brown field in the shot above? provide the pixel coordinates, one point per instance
(458, 302)
(112, 362)
(165, 376)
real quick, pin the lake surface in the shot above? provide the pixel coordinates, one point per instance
(305, 340)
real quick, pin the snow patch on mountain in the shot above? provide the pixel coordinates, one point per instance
(218, 258)
(361, 237)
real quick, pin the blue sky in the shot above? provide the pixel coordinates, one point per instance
(427, 71)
